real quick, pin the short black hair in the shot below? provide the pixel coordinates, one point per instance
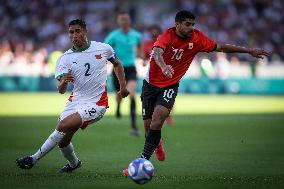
(183, 15)
(78, 22)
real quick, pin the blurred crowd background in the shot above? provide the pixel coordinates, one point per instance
(34, 33)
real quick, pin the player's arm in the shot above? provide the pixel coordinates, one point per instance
(119, 72)
(63, 82)
(255, 52)
(157, 54)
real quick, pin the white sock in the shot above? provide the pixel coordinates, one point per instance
(69, 154)
(48, 145)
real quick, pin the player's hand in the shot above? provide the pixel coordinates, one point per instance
(123, 93)
(168, 71)
(68, 77)
(259, 53)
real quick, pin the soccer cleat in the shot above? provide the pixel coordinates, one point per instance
(125, 172)
(68, 169)
(160, 152)
(25, 162)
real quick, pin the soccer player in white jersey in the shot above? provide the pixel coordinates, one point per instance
(84, 65)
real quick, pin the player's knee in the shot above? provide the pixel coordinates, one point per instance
(156, 124)
(63, 127)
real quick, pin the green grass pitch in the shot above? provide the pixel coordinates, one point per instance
(215, 142)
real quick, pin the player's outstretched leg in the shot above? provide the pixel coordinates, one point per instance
(29, 161)
(70, 123)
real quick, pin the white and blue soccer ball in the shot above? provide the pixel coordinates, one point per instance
(140, 171)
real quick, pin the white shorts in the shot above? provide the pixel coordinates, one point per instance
(89, 112)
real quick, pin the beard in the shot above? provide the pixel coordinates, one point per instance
(187, 34)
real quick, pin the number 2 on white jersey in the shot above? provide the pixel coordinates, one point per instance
(88, 66)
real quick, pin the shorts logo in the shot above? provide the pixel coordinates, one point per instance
(143, 112)
(167, 100)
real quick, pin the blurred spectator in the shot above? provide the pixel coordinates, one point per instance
(154, 32)
(32, 25)
(52, 59)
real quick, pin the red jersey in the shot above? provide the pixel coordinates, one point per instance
(178, 53)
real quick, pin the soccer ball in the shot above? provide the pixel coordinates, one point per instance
(140, 171)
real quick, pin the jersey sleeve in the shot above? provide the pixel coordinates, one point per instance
(206, 44)
(61, 68)
(110, 53)
(163, 40)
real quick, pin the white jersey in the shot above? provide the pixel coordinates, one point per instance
(89, 69)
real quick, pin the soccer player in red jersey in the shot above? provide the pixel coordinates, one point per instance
(155, 31)
(171, 56)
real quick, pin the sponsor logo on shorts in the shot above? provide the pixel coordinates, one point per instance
(167, 100)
